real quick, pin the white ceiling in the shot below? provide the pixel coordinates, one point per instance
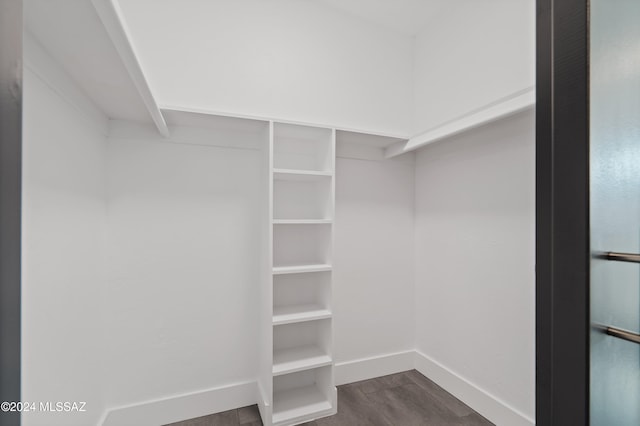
(405, 16)
(71, 31)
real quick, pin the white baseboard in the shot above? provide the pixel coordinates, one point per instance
(197, 404)
(375, 366)
(183, 407)
(483, 402)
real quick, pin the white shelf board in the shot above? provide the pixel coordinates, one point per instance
(302, 221)
(376, 132)
(299, 269)
(298, 404)
(112, 18)
(291, 360)
(496, 110)
(214, 122)
(300, 175)
(299, 313)
(72, 31)
(366, 139)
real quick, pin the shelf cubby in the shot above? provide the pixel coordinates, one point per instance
(302, 289)
(296, 405)
(301, 245)
(302, 199)
(302, 396)
(299, 147)
(301, 346)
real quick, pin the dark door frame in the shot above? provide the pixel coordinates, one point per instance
(562, 213)
(10, 200)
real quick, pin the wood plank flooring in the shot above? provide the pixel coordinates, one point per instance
(403, 399)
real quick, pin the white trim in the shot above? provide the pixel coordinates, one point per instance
(111, 17)
(500, 108)
(371, 367)
(264, 407)
(488, 405)
(215, 400)
(183, 407)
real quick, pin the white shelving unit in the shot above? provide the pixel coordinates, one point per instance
(297, 384)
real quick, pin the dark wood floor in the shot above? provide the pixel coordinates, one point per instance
(403, 399)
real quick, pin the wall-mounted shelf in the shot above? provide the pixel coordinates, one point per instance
(68, 31)
(503, 107)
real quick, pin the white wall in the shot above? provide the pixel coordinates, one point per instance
(175, 310)
(470, 55)
(63, 253)
(373, 258)
(182, 291)
(289, 59)
(475, 240)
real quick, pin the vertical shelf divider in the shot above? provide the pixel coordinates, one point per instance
(265, 376)
(332, 391)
